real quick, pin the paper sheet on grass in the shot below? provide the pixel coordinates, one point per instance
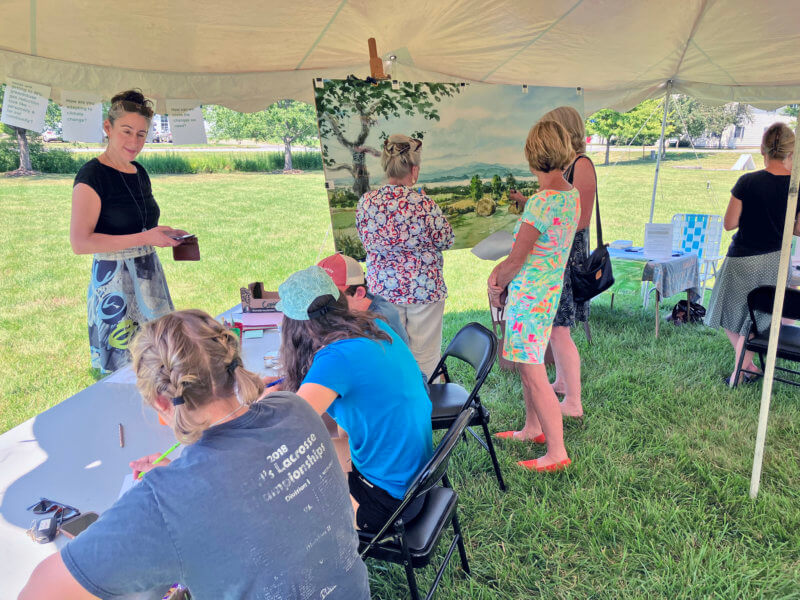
(494, 246)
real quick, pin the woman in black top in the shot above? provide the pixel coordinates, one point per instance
(115, 217)
(758, 209)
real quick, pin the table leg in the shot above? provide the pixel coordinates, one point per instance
(658, 311)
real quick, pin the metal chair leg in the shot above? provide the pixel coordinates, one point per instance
(462, 551)
(493, 455)
(588, 330)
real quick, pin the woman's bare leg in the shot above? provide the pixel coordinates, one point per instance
(568, 371)
(547, 412)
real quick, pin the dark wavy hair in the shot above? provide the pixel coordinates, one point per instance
(300, 340)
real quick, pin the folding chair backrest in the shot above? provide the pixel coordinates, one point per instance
(431, 473)
(475, 345)
(696, 233)
(762, 300)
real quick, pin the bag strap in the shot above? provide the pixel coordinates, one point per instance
(568, 175)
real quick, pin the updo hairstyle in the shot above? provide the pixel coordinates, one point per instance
(548, 147)
(400, 153)
(130, 101)
(572, 121)
(778, 142)
(189, 356)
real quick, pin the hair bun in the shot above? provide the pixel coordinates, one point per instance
(135, 96)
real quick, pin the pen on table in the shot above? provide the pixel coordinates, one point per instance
(162, 457)
(121, 436)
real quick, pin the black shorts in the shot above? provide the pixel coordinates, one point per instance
(376, 505)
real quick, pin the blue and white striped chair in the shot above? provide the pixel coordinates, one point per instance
(701, 235)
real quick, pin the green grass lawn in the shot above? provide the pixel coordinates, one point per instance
(656, 503)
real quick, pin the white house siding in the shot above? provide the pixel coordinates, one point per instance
(751, 133)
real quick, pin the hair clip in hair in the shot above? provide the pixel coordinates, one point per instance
(178, 400)
(232, 367)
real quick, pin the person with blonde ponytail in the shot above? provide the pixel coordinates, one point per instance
(255, 506)
(757, 209)
(404, 232)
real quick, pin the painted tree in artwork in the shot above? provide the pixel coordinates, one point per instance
(347, 111)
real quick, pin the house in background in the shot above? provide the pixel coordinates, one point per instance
(748, 135)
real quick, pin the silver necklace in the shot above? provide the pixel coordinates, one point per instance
(142, 213)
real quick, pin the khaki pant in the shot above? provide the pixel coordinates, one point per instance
(423, 323)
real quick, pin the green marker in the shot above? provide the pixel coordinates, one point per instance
(162, 457)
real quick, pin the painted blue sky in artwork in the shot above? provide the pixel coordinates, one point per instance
(483, 124)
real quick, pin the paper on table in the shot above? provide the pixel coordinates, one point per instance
(125, 375)
(495, 246)
(658, 240)
(265, 319)
(127, 484)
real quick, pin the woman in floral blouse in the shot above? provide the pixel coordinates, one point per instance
(404, 233)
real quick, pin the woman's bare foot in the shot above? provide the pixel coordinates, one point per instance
(571, 409)
(522, 436)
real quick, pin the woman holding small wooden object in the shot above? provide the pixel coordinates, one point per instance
(115, 218)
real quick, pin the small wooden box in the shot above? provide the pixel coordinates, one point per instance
(255, 299)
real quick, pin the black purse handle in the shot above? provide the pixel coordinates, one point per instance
(568, 175)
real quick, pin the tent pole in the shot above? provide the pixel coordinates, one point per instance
(777, 310)
(660, 147)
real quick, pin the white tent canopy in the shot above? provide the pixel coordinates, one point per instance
(246, 55)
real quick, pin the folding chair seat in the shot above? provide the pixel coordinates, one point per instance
(761, 300)
(475, 345)
(413, 544)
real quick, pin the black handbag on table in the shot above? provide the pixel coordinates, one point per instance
(594, 276)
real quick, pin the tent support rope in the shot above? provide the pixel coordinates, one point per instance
(660, 147)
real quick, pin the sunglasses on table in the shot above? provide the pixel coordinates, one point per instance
(63, 512)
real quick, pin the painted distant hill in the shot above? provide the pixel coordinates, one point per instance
(482, 170)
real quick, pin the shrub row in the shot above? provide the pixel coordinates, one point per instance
(61, 161)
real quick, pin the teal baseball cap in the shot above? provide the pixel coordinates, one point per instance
(300, 290)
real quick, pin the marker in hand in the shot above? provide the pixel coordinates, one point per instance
(162, 457)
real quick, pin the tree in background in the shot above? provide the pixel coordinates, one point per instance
(476, 188)
(705, 119)
(791, 110)
(511, 182)
(52, 119)
(497, 187)
(605, 123)
(290, 121)
(341, 103)
(642, 123)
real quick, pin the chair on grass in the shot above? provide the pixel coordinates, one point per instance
(475, 345)
(701, 235)
(413, 544)
(761, 300)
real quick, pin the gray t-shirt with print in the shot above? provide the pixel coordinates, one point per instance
(257, 508)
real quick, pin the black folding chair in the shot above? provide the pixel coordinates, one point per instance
(476, 346)
(413, 544)
(761, 300)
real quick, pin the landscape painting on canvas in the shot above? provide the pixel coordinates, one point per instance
(473, 139)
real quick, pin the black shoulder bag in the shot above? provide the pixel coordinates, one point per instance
(594, 276)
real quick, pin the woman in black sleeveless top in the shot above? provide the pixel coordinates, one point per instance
(115, 217)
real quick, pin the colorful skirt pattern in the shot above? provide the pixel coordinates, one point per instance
(127, 289)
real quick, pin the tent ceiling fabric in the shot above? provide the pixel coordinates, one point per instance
(246, 55)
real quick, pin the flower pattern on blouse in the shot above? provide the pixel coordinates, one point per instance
(404, 233)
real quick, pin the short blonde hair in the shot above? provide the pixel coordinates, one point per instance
(400, 153)
(777, 142)
(548, 147)
(188, 355)
(572, 121)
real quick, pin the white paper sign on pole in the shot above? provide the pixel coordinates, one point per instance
(81, 117)
(25, 104)
(186, 122)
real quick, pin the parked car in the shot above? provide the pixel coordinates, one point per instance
(162, 137)
(51, 135)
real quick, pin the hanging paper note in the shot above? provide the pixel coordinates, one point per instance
(186, 122)
(25, 104)
(81, 117)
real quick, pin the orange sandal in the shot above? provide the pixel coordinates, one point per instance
(532, 465)
(509, 435)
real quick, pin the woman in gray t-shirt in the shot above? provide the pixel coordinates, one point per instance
(256, 506)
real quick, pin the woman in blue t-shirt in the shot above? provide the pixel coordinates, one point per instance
(355, 368)
(757, 211)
